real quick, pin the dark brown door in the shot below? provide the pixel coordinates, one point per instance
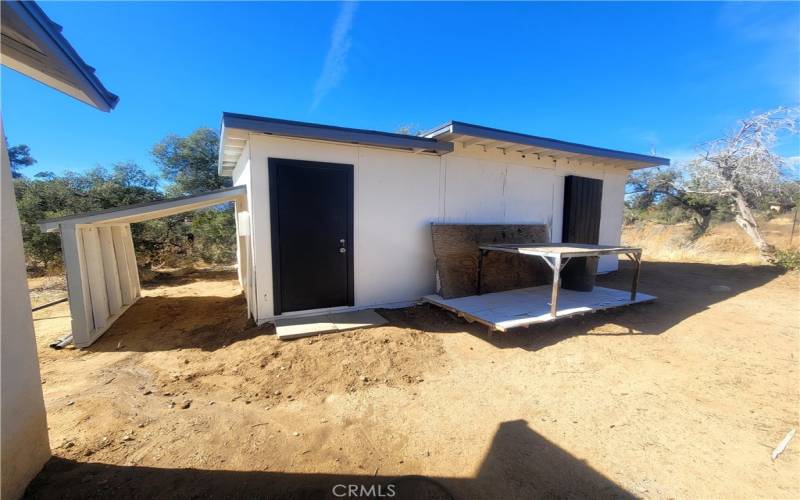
(583, 201)
(311, 206)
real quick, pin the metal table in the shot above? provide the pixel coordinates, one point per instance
(557, 255)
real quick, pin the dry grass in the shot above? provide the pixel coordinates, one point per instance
(722, 244)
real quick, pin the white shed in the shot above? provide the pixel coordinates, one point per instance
(340, 218)
(333, 219)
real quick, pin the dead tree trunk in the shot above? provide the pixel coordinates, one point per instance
(701, 219)
(746, 220)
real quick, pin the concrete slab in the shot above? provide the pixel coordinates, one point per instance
(292, 328)
(357, 319)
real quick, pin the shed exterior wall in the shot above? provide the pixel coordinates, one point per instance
(399, 194)
(23, 421)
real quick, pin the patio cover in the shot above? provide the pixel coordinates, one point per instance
(102, 277)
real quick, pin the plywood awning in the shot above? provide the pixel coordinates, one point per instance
(147, 211)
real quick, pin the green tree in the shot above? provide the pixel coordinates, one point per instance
(51, 196)
(189, 163)
(661, 191)
(19, 157)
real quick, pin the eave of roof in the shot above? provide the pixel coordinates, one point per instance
(148, 210)
(455, 128)
(315, 131)
(51, 60)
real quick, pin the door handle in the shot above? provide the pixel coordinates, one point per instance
(342, 250)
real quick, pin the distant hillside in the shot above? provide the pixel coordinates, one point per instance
(724, 243)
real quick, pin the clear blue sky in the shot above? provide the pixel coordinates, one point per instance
(627, 76)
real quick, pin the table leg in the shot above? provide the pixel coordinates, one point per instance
(556, 286)
(480, 270)
(637, 259)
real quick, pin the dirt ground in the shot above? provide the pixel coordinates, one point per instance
(183, 398)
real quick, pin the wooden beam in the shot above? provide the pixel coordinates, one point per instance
(133, 269)
(77, 284)
(125, 285)
(97, 279)
(113, 292)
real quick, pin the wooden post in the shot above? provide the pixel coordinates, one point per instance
(110, 271)
(556, 286)
(125, 285)
(480, 269)
(80, 302)
(97, 278)
(133, 269)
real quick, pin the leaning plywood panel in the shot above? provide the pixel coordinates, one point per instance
(97, 279)
(113, 291)
(126, 287)
(80, 302)
(456, 248)
(131, 257)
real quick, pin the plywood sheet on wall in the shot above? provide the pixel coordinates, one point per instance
(456, 249)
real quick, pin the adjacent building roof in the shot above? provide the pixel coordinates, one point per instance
(487, 137)
(440, 141)
(150, 210)
(235, 128)
(33, 45)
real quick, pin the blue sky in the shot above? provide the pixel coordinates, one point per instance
(636, 77)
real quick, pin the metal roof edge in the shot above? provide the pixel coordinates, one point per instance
(306, 130)
(30, 9)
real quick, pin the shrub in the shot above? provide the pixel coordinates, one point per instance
(786, 259)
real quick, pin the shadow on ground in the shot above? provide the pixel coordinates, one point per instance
(211, 323)
(519, 464)
(683, 290)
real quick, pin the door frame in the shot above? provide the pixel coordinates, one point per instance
(272, 166)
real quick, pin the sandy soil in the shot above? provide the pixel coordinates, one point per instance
(685, 397)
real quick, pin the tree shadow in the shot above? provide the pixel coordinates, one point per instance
(683, 290)
(520, 463)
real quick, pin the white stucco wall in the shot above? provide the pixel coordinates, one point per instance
(23, 433)
(397, 196)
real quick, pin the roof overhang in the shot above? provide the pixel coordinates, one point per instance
(491, 138)
(237, 127)
(33, 45)
(146, 211)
